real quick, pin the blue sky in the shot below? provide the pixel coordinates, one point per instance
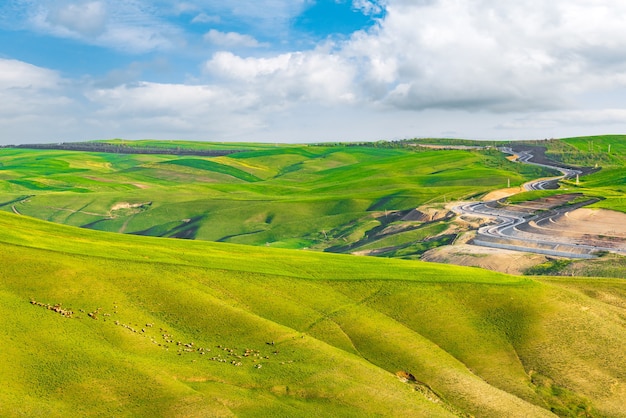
(310, 70)
(178, 33)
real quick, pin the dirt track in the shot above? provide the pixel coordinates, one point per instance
(539, 157)
(553, 226)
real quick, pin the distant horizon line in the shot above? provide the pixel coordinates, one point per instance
(277, 143)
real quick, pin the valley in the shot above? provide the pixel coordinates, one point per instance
(381, 199)
(316, 197)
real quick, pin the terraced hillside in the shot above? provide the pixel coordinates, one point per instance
(339, 198)
(99, 324)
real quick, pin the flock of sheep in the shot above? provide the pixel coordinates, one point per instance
(233, 356)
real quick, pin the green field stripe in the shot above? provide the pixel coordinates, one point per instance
(214, 167)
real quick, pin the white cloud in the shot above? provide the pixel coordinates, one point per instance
(21, 75)
(32, 102)
(153, 98)
(132, 25)
(231, 39)
(205, 18)
(287, 78)
(86, 19)
(492, 55)
(137, 39)
(488, 57)
(154, 109)
(368, 7)
(481, 55)
(270, 17)
(229, 65)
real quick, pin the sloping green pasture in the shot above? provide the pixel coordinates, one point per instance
(179, 328)
(597, 145)
(610, 181)
(281, 196)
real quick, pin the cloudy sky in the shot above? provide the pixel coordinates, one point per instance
(310, 70)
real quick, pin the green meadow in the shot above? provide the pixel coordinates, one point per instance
(178, 328)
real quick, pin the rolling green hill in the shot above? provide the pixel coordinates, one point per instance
(162, 327)
(318, 197)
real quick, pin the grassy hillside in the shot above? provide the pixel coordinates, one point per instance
(166, 327)
(289, 196)
(607, 152)
(603, 147)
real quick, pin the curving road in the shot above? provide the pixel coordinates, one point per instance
(515, 229)
(526, 156)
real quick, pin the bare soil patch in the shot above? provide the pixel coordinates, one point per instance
(502, 193)
(127, 209)
(595, 221)
(126, 205)
(598, 227)
(504, 261)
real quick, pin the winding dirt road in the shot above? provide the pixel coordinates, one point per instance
(519, 228)
(543, 184)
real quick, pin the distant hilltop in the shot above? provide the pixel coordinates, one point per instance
(449, 147)
(120, 148)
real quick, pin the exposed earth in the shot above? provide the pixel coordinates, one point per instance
(583, 223)
(546, 228)
(505, 261)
